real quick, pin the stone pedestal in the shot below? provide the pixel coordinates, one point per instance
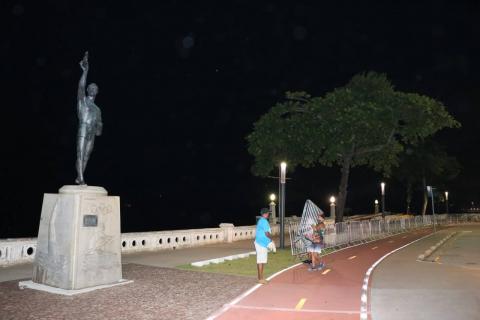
(78, 239)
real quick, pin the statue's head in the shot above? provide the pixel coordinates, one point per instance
(92, 90)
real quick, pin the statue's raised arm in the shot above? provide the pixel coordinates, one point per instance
(83, 79)
(89, 120)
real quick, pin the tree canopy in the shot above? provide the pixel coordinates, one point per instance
(366, 122)
(426, 162)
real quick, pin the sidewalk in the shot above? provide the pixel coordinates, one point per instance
(333, 293)
(164, 258)
(158, 291)
(445, 287)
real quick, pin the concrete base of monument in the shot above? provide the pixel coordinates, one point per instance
(41, 287)
(78, 244)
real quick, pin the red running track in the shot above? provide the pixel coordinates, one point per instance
(301, 294)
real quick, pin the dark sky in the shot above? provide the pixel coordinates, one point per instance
(181, 83)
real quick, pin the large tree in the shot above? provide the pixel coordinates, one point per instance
(366, 122)
(426, 162)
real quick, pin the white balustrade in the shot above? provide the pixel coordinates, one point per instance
(17, 250)
(22, 250)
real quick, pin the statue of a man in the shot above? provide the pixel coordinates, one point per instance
(89, 121)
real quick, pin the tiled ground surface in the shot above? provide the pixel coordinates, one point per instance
(156, 293)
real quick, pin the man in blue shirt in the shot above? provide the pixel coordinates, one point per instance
(262, 240)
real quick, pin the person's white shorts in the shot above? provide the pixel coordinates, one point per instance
(262, 253)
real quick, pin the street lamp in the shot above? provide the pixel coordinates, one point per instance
(382, 187)
(376, 206)
(332, 208)
(273, 217)
(283, 173)
(430, 193)
(446, 201)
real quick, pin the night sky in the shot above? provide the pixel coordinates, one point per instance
(182, 82)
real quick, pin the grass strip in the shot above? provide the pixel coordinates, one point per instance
(248, 266)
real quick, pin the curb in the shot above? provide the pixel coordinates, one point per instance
(222, 259)
(428, 252)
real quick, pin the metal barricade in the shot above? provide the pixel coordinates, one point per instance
(330, 236)
(344, 233)
(296, 244)
(355, 231)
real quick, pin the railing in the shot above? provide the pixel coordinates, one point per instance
(22, 250)
(17, 250)
(345, 233)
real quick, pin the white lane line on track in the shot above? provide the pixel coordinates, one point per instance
(238, 306)
(352, 257)
(364, 291)
(374, 248)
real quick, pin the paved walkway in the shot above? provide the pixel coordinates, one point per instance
(156, 294)
(164, 258)
(446, 286)
(333, 293)
(158, 291)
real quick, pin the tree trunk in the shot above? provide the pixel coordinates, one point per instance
(425, 195)
(409, 196)
(342, 190)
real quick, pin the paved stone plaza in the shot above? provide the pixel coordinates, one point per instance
(156, 293)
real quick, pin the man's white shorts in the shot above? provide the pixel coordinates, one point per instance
(262, 253)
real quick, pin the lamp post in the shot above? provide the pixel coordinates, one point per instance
(273, 217)
(332, 208)
(283, 173)
(446, 201)
(430, 193)
(382, 187)
(376, 207)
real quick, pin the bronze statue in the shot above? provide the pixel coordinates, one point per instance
(89, 121)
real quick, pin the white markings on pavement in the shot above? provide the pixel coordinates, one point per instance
(364, 293)
(300, 304)
(293, 310)
(243, 295)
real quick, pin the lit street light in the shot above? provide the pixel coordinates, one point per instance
(446, 201)
(382, 187)
(281, 202)
(430, 193)
(273, 217)
(332, 208)
(376, 206)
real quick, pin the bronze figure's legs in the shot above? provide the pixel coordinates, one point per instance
(88, 152)
(84, 149)
(80, 156)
